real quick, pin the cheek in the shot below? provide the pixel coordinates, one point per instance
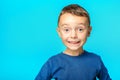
(83, 36)
(64, 36)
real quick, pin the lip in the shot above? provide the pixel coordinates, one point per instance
(74, 42)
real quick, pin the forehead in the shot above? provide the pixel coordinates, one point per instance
(70, 19)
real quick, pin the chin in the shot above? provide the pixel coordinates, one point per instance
(74, 48)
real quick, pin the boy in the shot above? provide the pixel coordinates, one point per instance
(74, 63)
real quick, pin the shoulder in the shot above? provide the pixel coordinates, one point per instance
(55, 58)
(94, 59)
(93, 56)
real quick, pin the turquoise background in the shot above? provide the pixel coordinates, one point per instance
(28, 35)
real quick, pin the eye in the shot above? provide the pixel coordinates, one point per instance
(80, 29)
(66, 30)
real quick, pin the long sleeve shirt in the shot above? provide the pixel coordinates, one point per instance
(87, 66)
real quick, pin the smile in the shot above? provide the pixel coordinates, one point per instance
(73, 42)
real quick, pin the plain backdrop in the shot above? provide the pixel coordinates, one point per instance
(28, 35)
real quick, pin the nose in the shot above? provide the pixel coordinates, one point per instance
(73, 34)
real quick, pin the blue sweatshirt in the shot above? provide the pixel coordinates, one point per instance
(87, 66)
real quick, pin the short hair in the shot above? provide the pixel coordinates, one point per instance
(75, 9)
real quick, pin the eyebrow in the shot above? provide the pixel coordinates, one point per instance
(76, 24)
(81, 24)
(64, 25)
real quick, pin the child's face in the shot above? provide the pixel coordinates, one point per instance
(73, 30)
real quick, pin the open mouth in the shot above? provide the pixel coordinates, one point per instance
(73, 42)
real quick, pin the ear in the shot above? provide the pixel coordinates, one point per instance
(89, 30)
(58, 31)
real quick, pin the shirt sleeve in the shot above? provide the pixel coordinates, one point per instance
(103, 73)
(44, 73)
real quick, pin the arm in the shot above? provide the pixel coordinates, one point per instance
(103, 73)
(44, 73)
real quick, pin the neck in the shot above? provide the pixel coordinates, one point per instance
(74, 52)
